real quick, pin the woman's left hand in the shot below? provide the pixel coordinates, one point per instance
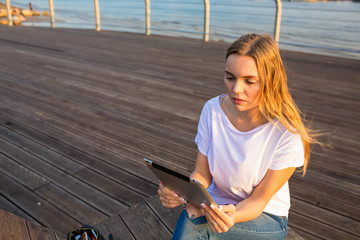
(220, 218)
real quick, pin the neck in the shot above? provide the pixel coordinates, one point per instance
(251, 116)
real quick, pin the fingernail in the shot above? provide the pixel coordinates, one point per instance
(182, 200)
(175, 195)
(212, 207)
(221, 207)
(203, 205)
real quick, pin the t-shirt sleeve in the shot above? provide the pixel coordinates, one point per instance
(289, 153)
(202, 138)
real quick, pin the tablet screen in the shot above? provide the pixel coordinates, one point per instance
(190, 189)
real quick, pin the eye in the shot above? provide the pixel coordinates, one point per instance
(230, 78)
(250, 82)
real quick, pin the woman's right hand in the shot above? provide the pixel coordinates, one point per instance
(168, 198)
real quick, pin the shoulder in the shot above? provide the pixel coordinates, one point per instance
(289, 151)
(213, 101)
(211, 105)
(286, 138)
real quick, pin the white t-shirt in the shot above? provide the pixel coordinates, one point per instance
(239, 160)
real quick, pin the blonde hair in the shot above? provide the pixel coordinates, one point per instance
(275, 99)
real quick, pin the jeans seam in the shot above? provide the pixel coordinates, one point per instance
(250, 231)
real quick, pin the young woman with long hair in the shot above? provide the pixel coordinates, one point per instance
(250, 141)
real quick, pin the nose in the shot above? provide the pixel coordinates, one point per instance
(238, 86)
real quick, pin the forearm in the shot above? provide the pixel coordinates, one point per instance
(249, 209)
(201, 171)
(255, 204)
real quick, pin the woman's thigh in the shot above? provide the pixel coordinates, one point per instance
(266, 226)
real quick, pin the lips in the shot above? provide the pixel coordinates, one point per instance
(238, 100)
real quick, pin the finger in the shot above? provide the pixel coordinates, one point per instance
(170, 195)
(210, 221)
(226, 217)
(213, 212)
(167, 195)
(167, 190)
(229, 209)
(171, 200)
(213, 224)
(169, 204)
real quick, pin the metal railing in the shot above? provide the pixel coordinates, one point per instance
(206, 32)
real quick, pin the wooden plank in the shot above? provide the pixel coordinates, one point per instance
(120, 139)
(301, 234)
(334, 163)
(100, 126)
(70, 204)
(167, 216)
(101, 103)
(13, 227)
(22, 174)
(114, 226)
(320, 187)
(119, 189)
(35, 206)
(102, 162)
(317, 229)
(45, 153)
(39, 232)
(78, 113)
(123, 144)
(159, 154)
(327, 217)
(342, 176)
(9, 206)
(345, 186)
(90, 195)
(325, 200)
(121, 193)
(143, 223)
(292, 235)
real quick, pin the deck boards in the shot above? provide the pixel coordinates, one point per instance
(80, 109)
(14, 227)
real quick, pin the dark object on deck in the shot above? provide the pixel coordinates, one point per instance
(86, 232)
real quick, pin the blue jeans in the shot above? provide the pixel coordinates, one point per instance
(266, 226)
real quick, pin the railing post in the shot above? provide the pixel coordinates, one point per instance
(52, 15)
(9, 13)
(97, 15)
(147, 17)
(206, 20)
(277, 21)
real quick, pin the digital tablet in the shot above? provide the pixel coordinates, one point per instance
(190, 189)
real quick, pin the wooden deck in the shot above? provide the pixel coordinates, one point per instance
(80, 109)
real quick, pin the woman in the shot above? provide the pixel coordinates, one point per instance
(250, 141)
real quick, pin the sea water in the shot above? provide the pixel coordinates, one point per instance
(331, 28)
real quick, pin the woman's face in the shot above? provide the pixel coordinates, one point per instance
(242, 82)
